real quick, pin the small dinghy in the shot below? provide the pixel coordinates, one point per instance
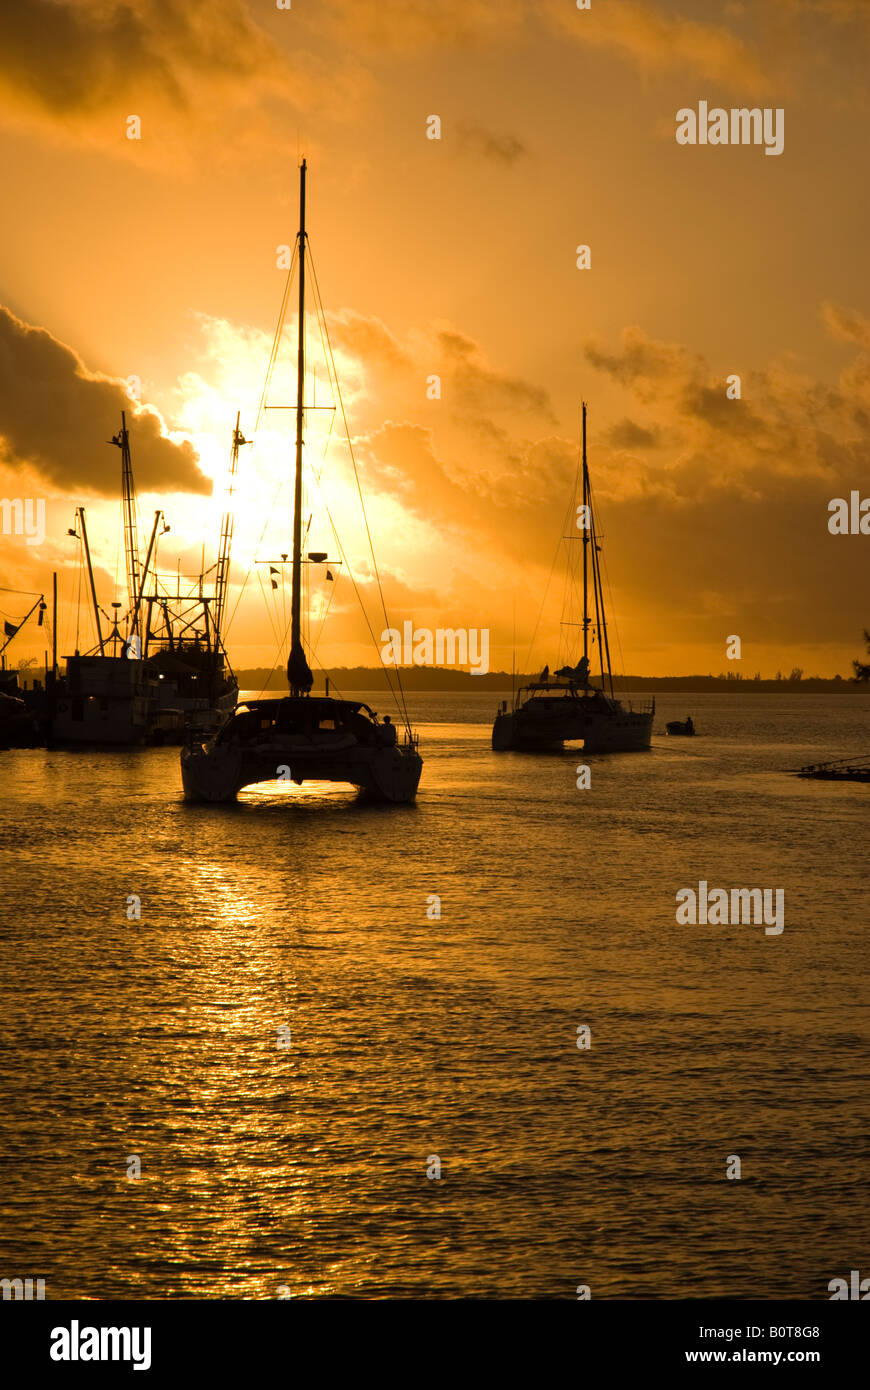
(683, 728)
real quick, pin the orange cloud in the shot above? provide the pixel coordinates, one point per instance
(655, 39)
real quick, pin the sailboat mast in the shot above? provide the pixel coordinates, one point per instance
(597, 586)
(298, 671)
(295, 612)
(586, 538)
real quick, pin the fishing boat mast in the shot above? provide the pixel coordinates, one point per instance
(80, 513)
(299, 675)
(223, 564)
(131, 537)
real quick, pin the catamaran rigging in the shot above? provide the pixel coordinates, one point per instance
(320, 738)
(555, 710)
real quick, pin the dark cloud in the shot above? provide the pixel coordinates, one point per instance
(79, 68)
(847, 324)
(654, 38)
(368, 338)
(712, 405)
(70, 57)
(56, 417)
(403, 25)
(630, 435)
(640, 360)
(474, 383)
(501, 149)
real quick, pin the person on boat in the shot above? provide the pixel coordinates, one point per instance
(690, 728)
(578, 674)
(388, 736)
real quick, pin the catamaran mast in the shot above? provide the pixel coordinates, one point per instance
(586, 537)
(54, 624)
(299, 674)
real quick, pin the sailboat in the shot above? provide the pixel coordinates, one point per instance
(553, 711)
(302, 737)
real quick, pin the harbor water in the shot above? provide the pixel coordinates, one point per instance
(248, 1090)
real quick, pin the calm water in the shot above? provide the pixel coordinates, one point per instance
(306, 1167)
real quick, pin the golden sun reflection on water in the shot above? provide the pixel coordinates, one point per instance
(304, 1167)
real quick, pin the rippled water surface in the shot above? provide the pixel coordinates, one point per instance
(305, 1167)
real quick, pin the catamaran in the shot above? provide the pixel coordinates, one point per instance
(303, 737)
(555, 710)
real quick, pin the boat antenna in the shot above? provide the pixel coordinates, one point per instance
(299, 675)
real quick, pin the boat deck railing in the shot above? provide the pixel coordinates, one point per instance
(643, 706)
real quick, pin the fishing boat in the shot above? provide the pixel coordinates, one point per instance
(302, 737)
(168, 666)
(567, 706)
(21, 710)
(19, 727)
(175, 626)
(107, 695)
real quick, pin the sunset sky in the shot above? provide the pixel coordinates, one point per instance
(156, 258)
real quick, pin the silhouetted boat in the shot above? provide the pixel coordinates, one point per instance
(840, 770)
(21, 711)
(301, 737)
(182, 640)
(550, 712)
(681, 727)
(19, 726)
(168, 669)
